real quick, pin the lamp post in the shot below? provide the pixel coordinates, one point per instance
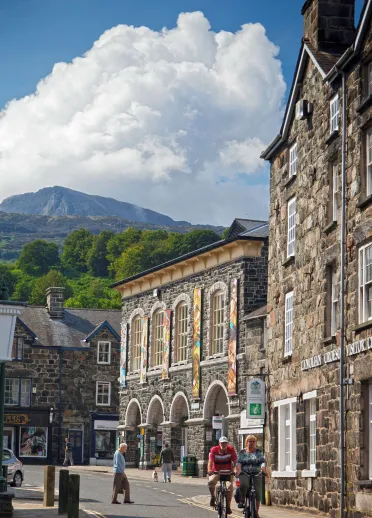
(9, 311)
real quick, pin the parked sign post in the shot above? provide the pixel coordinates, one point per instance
(256, 399)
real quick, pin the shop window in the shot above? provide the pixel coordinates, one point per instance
(291, 237)
(105, 444)
(365, 283)
(33, 442)
(286, 438)
(157, 338)
(288, 346)
(181, 331)
(104, 353)
(218, 324)
(135, 359)
(17, 392)
(103, 393)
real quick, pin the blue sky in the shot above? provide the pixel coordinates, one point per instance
(35, 34)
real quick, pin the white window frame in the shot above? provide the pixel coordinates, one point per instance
(370, 428)
(23, 387)
(334, 301)
(291, 235)
(100, 393)
(286, 437)
(369, 78)
(369, 162)
(218, 303)
(364, 284)
(312, 435)
(157, 338)
(293, 160)
(335, 190)
(100, 343)
(288, 334)
(334, 107)
(182, 324)
(136, 337)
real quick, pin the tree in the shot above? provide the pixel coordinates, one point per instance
(23, 288)
(198, 239)
(97, 258)
(132, 261)
(8, 278)
(76, 250)
(52, 278)
(120, 242)
(38, 256)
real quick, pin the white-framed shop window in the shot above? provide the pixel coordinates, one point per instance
(288, 345)
(293, 160)
(104, 353)
(335, 113)
(365, 283)
(369, 162)
(287, 443)
(103, 393)
(291, 237)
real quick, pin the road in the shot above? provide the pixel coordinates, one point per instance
(152, 500)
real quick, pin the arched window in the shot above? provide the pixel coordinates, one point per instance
(136, 344)
(157, 337)
(217, 324)
(181, 331)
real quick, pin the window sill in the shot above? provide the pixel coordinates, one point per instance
(180, 367)
(328, 229)
(290, 260)
(363, 326)
(366, 202)
(284, 474)
(212, 360)
(332, 137)
(154, 372)
(329, 340)
(364, 483)
(290, 181)
(364, 104)
(287, 359)
(133, 376)
(309, 473)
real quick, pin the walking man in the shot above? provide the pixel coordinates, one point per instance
(68, 453)
(167, 459)
(120, 478)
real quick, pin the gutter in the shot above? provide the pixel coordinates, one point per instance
(341, 63)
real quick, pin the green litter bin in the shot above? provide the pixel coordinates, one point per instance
(189, 466)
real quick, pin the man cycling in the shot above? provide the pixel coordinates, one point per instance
(221, 458)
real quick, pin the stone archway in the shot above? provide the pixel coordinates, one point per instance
(216, 401)
(133, 418)
(154, 434)
(179, 413)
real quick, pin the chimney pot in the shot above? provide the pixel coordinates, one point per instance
(55, 300)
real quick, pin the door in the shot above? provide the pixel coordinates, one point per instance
(184, 441)
(76, 440)
(8, 441)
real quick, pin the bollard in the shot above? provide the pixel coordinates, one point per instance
(49, 483)
(63, 491)
(5, 476)
(73, 496)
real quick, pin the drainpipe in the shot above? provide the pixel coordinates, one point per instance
(342, 298)
(60, 403)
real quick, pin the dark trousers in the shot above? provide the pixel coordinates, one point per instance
(120, 483)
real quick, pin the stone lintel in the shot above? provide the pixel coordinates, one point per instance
(233, 417)
(196, 421)
(168, 424)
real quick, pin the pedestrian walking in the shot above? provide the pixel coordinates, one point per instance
(166, 459)
(68, 453)
(121, 481)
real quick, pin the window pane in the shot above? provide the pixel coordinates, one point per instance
(11, 391)
(291, 240)
(136, 344)
(181, 332)
(288, 323)
(312, 456)
(218, 309)
(103, 393)
(158, 331)
(25, 392)
(293, 160)
(104, 352)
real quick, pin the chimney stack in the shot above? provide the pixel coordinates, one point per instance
(55, 301)
(329, 24)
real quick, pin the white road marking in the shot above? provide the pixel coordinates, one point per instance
(170, 492)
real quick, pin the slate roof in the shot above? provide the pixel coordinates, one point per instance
(325, 60)
(261, 231)
(245, 227)
(258, 313)
(72, 330)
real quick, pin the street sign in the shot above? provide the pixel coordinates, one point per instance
(256, 398)
(139, 436)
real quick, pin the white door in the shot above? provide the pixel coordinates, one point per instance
(8, 441)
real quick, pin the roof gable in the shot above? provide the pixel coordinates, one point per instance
(241, 226)
(100, 327)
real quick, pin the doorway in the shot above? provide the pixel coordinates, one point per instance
(76, 440)
(8, 441)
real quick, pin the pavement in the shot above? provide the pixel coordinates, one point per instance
(36, 510)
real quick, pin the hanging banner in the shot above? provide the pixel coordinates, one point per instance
(256, 398)
(143, 367)
(231, 373)
(196, 344)
(123, 355)
(166, 344)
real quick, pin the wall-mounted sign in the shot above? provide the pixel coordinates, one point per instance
(217, 422)
(105, 425)
(256, 398)
(195, 406)
(16, 419)
(353, 349)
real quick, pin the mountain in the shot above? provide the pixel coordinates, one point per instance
(18, 229)
(60, 201)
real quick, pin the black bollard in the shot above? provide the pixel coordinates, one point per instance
(63, 491)
(73, 496)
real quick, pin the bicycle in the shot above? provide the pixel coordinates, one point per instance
(222, 492)
(250, 509)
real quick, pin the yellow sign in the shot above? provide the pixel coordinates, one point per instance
(16, 419)
(142, 431)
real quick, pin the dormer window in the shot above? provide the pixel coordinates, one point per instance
(293, 160)
(104, 353)
(335, 113)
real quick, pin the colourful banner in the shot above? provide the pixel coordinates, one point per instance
(166, 344)
(196, 344)
(143, 367)
(123, 355)
(231, 374)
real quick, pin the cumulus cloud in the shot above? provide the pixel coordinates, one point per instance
(169, 120)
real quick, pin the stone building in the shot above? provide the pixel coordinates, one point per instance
(189, 343)
(327, 124)
(63, 381)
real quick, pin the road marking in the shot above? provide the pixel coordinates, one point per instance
(180, 496)
(94, 513)
(170, 492)
(189, 501)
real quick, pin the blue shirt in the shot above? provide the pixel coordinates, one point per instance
(252, 462)
(119, 462)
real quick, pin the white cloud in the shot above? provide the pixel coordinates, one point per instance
(153, 118)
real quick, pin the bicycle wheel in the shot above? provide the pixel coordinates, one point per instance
(224, 503)
(253, 508)
(247, 510)
(219, 503)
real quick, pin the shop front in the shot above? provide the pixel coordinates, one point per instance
(104, 438)
(251, 427)
(29, 435)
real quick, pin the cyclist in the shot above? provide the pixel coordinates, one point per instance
(221, 458)
(250, 462)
